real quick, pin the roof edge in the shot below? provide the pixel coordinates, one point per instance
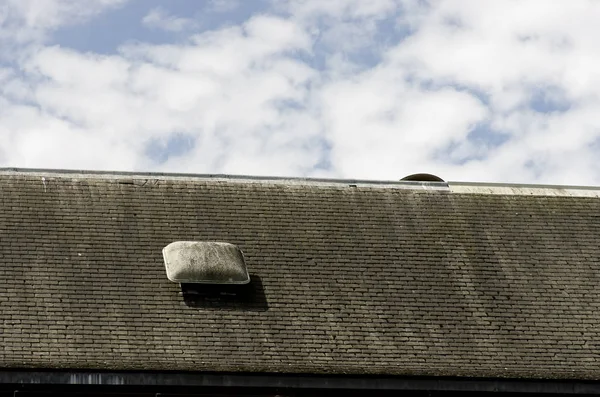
(227, 177)
(515, 189)
(41, 379)
(451, 187)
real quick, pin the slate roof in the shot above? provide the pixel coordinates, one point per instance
(347, 278)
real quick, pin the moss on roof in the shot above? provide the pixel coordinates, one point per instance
(364, 279)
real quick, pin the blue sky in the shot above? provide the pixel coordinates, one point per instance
(498, 91)
(106, 32)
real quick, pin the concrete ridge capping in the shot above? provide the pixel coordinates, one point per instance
(523, 189)
(451, 187)
(293, 181)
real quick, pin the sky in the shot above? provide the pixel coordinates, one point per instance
(486, 91)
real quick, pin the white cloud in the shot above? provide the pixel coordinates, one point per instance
(501, 90)
(158, 18)
(381, 124)
(23, 21)
(341, 25)
(118, 104)
(510, 51)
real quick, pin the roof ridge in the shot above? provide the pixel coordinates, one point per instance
(234, 178)
(451, 186)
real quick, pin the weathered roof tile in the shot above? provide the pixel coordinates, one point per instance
(366, 279)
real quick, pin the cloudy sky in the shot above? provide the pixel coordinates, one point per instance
(470, 90)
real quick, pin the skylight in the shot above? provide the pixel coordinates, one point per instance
(205, 263)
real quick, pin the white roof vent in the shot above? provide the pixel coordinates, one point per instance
(205, 263)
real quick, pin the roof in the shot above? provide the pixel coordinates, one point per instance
(348, 277)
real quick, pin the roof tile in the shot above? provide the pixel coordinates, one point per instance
(346, 280)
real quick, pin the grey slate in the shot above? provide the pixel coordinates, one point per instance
(354, 280)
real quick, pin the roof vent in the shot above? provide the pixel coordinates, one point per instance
(422, 178)
(205, 263)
